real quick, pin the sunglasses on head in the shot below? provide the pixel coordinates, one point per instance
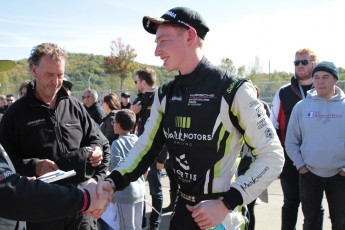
(304, 62)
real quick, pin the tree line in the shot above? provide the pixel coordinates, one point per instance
(115, 72)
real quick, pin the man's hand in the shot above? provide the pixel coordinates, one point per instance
(45, 166)
(208, 213)
(95, 156)
(136, 108)
(97, 205)
(342, 173)
(159, 166)
(104, 186)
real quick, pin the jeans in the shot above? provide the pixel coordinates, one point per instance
(311, 190)
(154, 179)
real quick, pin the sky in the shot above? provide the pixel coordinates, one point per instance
(243, 31)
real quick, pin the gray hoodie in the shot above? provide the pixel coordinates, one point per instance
(316, 134)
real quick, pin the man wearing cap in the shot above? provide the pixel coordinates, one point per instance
(315, 143)
(125, 100)
(283, 102)
(201, 116)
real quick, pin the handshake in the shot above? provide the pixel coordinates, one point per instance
(101, 194)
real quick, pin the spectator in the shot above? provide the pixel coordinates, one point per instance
(48, 130)
(110, 105)
(283, 102)
(23, 88)
(9, 101)
(129, 203)
(2, 100)
(201, 116)
(67, 84)
(315, 143)
(125, 100)
(93, 107)
(145, 80)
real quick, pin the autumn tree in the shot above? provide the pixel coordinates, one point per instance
(121, 61)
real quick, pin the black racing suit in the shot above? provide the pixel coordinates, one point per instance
(31, 131)
(193, 119)
(33, 200)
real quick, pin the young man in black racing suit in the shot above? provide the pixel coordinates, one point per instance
(196, 115)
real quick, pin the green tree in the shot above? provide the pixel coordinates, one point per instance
(227, 64)
(121, 61)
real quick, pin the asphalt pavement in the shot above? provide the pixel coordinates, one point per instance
(268, 215)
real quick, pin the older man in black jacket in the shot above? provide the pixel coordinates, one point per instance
(47, 130)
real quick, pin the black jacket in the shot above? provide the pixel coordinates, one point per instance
(107, 127)
(96, 112)
(30, 131)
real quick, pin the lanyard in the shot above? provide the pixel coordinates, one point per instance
(301, 90)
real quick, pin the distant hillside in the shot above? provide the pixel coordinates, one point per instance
(80, 67)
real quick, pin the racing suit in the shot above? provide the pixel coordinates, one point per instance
(193, 119)
(22, 199)
(32, 131)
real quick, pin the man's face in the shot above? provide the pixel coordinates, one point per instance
(125, 100)
(140, 84)
(171, 44)
(23, 91)
(324, 84)
(303, 70)
(10, 100)
(49, 76)
(87, 99)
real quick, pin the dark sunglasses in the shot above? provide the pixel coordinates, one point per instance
(304, 62)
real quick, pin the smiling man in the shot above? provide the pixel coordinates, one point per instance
(315, 143)
(202, 116)
(47, 130)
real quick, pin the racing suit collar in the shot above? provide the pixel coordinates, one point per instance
(195, 76)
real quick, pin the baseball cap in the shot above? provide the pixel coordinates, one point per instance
(125, 95)
(67, 83)
(6, 65)
(178, 16)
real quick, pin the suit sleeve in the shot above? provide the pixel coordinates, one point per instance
(144, 152)
(33, 200)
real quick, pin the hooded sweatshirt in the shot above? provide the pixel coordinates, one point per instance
(315, 135)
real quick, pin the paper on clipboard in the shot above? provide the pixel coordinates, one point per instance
(56, 175)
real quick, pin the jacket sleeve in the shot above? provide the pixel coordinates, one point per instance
(107, 128)
(101, 170)
(275, 110)
(294, 139)
(34, 200)
(260, 135)
(145, 150)
(8, 139)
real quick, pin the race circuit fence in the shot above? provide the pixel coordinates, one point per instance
(267, 90)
